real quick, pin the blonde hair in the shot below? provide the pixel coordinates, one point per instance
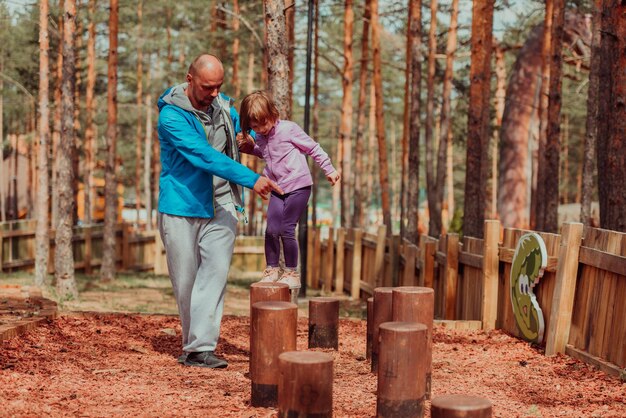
(259, 108)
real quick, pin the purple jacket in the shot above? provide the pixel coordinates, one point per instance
(283, 150)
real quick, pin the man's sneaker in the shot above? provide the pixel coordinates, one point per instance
(205, 359)
(182, 358)
(292, 278)
(270, 274)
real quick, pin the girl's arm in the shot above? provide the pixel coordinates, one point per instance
(247, 145)
(308, 145)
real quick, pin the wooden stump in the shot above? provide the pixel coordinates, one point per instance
(268, 291)
(324, 323)
(402, 370)
(370, 323)
(416, 304)
(305, 387)
(382, 313)
(460, 406)
(272, 331)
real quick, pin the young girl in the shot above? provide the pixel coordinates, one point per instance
(283, 145)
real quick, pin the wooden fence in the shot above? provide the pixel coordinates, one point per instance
(582, 293)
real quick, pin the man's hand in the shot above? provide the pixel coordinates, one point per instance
(333, 177)
(264, 186)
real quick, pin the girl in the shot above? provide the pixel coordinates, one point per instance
(282, 144)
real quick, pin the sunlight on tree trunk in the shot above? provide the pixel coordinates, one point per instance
(139, 102)
(277, 51)
(90, 104)
(345, 129)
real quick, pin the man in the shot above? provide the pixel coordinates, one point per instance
(198, 199)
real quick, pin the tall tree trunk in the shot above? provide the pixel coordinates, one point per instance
(477, 167)
(612, 117)
(345, 129)
(448, 208)
(107, 271)
(56, 135)
(371, 168)
(147, 151)
(500, 97)
(236, 83)
(591, 134)
(139, 102)
(90, 104)
(63, 253)
(431, 185)
(415, 29)
(77, 143)
(251, 196)
(316, 107)
(435, 226)
(383, 166)
(277, 51)
(405, 128)
(537, 198)
(564, 174)
(3, 213)
(168, 37)
(551, 177)
(290, 23)
(359, 173)
(42, 237)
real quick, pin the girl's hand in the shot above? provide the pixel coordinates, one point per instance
(333, 177)
(245, 143)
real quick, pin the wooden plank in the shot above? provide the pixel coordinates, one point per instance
(458, 325)
(330, 262)
(88, 249)
(394, 261)
(409, 278)
(356, 264)
(490, 278)
(472, 260)
(506, 256)
(310, 256)
(340, 257)
(603, 260)
(367, 288)
(317, 259)
(605, 366)
(248, 249)
(379, 255)
(440, 258)
(563, 298)
(428, 272)
(451, 275)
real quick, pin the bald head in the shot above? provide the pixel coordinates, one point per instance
(205, 78)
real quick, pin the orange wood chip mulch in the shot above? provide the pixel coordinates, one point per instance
(22, 308)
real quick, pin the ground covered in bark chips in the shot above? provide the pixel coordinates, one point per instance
(125, 365)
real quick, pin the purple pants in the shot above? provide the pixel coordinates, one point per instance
(283, 213)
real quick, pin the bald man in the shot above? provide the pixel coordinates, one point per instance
(200, 194)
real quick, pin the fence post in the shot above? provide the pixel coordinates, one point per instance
(491, 261)
(452, 275)
(125, 245)
(394, 259)
(565, 288)
(379, 257)
(340, 257)
(317, 259)
(355, 288)
(427, 274)
(310, 256)
(330, 263)
(410, 253)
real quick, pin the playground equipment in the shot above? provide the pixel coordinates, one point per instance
(324, 323)
(266, 292)
(460, 406)
(370, 321)
(382, 313)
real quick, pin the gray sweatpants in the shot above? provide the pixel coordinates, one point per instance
(198, 252)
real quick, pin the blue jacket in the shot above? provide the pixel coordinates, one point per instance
(188, 161)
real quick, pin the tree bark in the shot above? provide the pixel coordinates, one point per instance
(359, 174)
(3, 214)
(500, 71)
(537, 201)
(415, 29)
(551, 177)
(612, 118)
(435, 225)
(290, 23)
(345, 129)
(42, 236)
(236, 83)
(147, 152)
(63, 254)
(591, 134)
(90, 104)
(316, 107)
(405, 128)
(431, 185)
(139, 103)
(277, 51)
(383, 166)
(477, 167)
(77, 143)
(107, 271)
(56, 134)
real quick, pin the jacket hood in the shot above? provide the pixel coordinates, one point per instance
(176, 96)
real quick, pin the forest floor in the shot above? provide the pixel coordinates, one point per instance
(101, 363)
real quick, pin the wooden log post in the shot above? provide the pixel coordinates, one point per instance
(490, 277)
(460, 406)
(452, 275)
(427, 274)
(330, 262)
(370, 325)
(357, 251)
(340, 261)
(324, 323)
(267, 292)
(305, 387)
(382, 313)
(565, 288)
(402, 370)
(379, 256)
(273, 331)
(416, 304)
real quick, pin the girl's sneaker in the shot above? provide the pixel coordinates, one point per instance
(291, 277)
(270, 274)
